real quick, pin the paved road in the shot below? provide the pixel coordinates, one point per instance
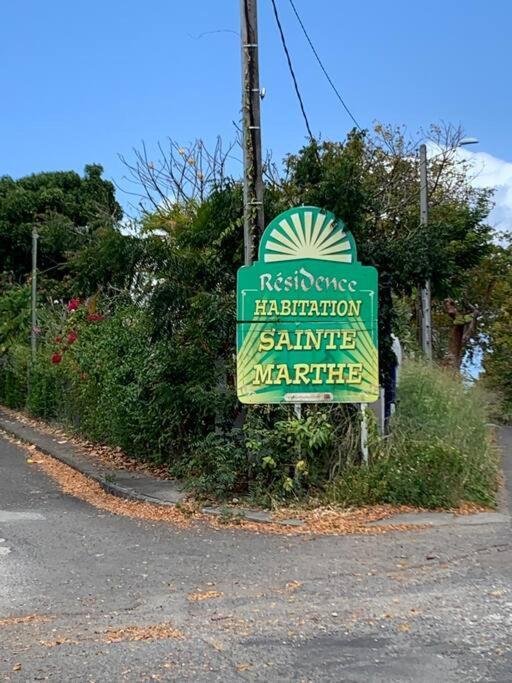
(433, 605)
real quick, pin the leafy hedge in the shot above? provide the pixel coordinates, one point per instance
(114, 383)
(108, 378)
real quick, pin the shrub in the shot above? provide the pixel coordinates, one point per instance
(274, 457)
(287, 454)
(217, 466)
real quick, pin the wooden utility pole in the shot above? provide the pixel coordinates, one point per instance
(254, 220)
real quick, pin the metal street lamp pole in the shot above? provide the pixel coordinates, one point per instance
(426, 298)
(33, 336)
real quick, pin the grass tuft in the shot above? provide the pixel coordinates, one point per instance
(440, 453)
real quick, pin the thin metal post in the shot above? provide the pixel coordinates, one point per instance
(254, 219)
(33, 336)
(364, 434)
(426, 297)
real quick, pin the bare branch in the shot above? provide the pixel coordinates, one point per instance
(178, 175)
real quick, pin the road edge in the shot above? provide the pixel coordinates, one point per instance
(14, 428)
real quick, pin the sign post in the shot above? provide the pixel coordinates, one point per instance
(307, 315)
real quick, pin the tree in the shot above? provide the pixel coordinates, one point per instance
(372, 183)
(67, 209)
(109, 261)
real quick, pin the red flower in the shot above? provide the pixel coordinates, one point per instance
(95, 317)
(72, 337)
(56, 358)
(73, 304)
(58, 339)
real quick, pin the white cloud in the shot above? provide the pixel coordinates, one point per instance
(490, 171)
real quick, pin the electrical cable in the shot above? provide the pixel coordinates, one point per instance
(329, 79)
(292, 72)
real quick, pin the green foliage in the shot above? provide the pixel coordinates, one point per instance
(154, 371)
(217, 466)
(426, 475)
(109, 260)
(439, 453)
(117, 384)
(14, 376)
(493, 292)
(273, 458)
(372, 183)
(15, 316)
(66, 207)
(286, 454)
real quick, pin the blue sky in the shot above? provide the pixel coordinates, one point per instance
(84, 81)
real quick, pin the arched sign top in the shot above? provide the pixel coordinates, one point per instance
(307, 232)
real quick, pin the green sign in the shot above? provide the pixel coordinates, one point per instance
(307, 315)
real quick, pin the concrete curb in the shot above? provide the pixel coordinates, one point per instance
(71, 456)
(109, 487)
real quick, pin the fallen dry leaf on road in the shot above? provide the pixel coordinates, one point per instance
(28, 619)
(320, 520)
(59, 641)
(137, 633)
(205, 595)
(217, 645)
(76, 484)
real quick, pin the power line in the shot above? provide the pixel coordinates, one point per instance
(340, 98)
(292, 72)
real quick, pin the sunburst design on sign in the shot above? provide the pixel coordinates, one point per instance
(307, 233)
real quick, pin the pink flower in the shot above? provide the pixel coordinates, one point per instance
(73, 304)
(72, 337)
(95, 317)
(56, 358)
(36, 330)
(58, 339)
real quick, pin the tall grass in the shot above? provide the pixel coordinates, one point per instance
(440, 451)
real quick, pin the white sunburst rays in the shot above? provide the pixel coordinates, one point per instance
(306, 235)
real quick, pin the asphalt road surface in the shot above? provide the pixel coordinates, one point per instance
(430, 605)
